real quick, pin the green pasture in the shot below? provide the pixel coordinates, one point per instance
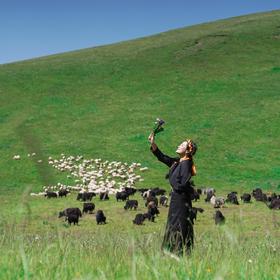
(36, 244)
(217, 83)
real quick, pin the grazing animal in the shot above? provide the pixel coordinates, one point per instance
(219, 218)
(139, 219)
(70, 211)
(256, 192)
(51, 194)
(195, 195)
(142, 190)
(152, 208)
(149, 216)
(217, 202)
(122, 196)
(104, 196)
(158, 191)
(131, 204)
(80, 196)
(72, 218)
(88, 207)
(100, 217)
(232, 198)
(63, 192)
(209, 194)
(213, 200)
(163, 200)
(149, 193)
(193, 213)
(274, 204)
(84, 196)
(145, 194)
(91, 194)
(246, 197)
(130, 191)
(273, 196)
(259, 195)
(208, 190)
(220, 201)
(151, 198)
(199, 191)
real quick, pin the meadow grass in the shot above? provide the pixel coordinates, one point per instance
(36, 244)
(217, 83)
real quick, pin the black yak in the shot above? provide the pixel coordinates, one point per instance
(246, 197)
(84, 196)
(122, 196)
(100, 217)
(103, 196)
(193, 213)
(232, 198)
(51, 194)
(131, 204)
(219, 218)
(88, 207)
(72, 218)
(139, 219)
(163, 200)
(70, 211)
(63, 192)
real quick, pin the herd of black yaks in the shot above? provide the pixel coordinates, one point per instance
(152, 202)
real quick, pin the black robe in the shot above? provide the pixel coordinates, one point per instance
(179, 233)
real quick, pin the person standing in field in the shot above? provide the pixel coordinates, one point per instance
(179, 234)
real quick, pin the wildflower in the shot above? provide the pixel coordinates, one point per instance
(158, 126)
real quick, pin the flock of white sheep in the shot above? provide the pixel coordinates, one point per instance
(92, 175)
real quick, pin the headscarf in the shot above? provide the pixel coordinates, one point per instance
(190, 152)
(191, 148)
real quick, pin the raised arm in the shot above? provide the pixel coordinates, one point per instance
(160, 156)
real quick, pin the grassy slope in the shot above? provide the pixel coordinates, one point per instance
(216, 82)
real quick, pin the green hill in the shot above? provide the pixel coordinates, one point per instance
(217, 83)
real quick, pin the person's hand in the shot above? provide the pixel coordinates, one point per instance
(151, 138)
(152, 141)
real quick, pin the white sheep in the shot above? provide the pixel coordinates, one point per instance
(143, 168)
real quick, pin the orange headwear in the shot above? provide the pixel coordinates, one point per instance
(191, 147)
(190, 151)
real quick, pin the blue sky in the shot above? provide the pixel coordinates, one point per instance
(33, 28)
